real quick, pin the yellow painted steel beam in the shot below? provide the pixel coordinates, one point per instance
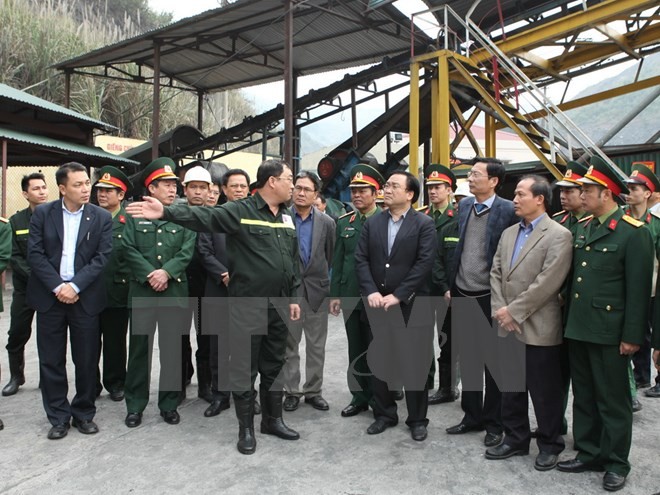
(414, 119)
(617, 38)
(435, 143)
(541, 63)
(596, 97)
(442, 111)
(490, 127)
(560, 28)
(465, 129)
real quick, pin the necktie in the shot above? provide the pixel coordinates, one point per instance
(593, 226)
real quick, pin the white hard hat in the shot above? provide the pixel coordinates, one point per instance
(463, 189)
(199, 174)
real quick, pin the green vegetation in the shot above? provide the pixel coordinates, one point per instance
(36, 34)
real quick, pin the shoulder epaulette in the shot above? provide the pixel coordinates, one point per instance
(345, 215)
(4, 220)
(421, 208)
(559, 213)
(632, 221)
(584, 219)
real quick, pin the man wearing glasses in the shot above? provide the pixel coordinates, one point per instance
(481, 221)
(316, 243)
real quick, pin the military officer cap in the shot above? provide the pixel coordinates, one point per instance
(113, 178)
(600, 173)
(364, 175)
(161, 168)
(380, 196)
(439, 174)
(574, 172)
(643, 175)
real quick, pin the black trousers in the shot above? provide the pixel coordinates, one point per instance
(482, 410)
(399, 357)
(215, 320)
(52, 345)
(20, 327)
(114, 327)
(544, 384)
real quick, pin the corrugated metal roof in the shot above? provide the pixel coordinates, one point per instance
(243, 43)
(7, 94)
(66, 151)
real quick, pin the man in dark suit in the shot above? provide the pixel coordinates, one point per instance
(316, 242)
(393, 260)
(481, 221)
(70, 243)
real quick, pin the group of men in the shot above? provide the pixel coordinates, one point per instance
(261, 270)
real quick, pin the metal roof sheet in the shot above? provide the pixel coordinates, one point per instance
(243, 43)
(64, 150)
(23, 99)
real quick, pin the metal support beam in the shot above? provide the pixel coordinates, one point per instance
(414, 119)
(617, 38)
(67, 89)
(354, 128)
(465, 129)
(200, 109)
(288, 84)
(491, 139)
(4, 178)
(155, 126)
(442, 111)
(435, 141)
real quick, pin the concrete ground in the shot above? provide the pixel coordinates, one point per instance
(334, 454)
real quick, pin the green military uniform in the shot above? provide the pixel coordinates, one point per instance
(641, 375)
(439, 174)
(20, 327)
(344, 283)
(608, 304)
(148, 246)
(114, 319)
(568, 219)
(5, 255)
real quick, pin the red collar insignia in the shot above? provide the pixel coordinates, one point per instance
(450, 213)
(352, 218)
(612, 224)
(648, 218)
(122, 219)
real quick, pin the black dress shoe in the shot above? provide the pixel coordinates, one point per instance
(398, 395)
(613, 482)
(493, 439)
(378, 426)
(636, 405)
(461, 428)
(85, 426)
(577, 466)
(653, 391)
(545, 461)
(58, 431)
(353, 410)
(216, 407)
(133, 419)
(639, 385)
(504, 451)
(444, 395)
(291, 403)
(418, 433)
(171, 417)
(317, 402)
(2, 425)
(117, 395)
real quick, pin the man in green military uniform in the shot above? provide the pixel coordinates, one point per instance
(111, 188)
(366, 181)
(642, 184)
(607, 318)
(35, 192)
(262, 252)
(569, 195)
(157, 254)
(5, 255)
(440, 183)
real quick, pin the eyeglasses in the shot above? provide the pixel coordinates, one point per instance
(306, 190)
(288, 179)
(393, 187)
(214, 193)
(476, 175)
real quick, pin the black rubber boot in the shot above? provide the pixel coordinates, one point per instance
(271, 415)
(17, 378)
(247, 442)
(204, 381)
(257, 406)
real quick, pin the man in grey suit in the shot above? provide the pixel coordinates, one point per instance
(316, 244)
(529, 268)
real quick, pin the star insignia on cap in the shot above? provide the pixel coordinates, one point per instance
(106, 176)
(635, 173)
(359, 176)
(569, 174)
(434, 174)
(168, 169)
(591, 169)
